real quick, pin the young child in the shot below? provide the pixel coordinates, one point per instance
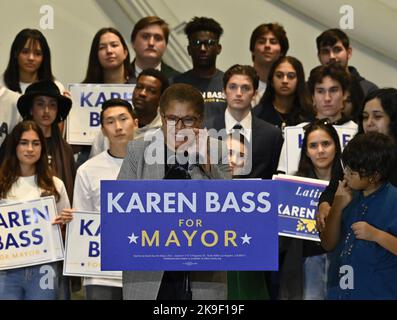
(362, 224)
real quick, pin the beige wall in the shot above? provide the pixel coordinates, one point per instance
(76, 22)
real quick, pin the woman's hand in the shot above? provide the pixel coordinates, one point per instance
(65, 217)
(322, 214)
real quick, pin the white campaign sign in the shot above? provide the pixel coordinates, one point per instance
(27, 236)
(83, 245)
(83, 121)
(293, 143)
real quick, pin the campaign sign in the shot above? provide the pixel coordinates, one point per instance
(293, 144)
(189, 225)
(83, 122)
(83, 247)
(27, 236)
(297, 208)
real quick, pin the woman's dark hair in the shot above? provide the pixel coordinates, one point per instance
(302, 101)
(10, 169)
(370, 153)
(356, 97)
(11, 74)
(305, 167)
(95, 71)
(388, 100)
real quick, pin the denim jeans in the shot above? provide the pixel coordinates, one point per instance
(315, 271)
(39, 282)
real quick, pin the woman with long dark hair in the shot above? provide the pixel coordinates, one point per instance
(303, 270)
(25, 175)
(29, 62)
(286, 101)
(109, 60)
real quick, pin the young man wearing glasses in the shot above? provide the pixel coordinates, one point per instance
(203, 35)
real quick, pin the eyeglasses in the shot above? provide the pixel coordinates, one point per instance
(186, 121)
(207, 43)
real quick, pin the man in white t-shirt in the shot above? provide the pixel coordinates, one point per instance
(9, 115)
(118, 124)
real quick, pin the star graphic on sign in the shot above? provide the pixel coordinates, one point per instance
(133, 238)
(246, 239)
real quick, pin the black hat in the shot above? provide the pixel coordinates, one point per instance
(43, 88)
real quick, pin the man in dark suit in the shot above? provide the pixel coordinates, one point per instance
(149, 39)
(265, 140)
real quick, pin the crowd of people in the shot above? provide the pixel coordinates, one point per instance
(252, 106)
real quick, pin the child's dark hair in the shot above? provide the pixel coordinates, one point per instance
(198, 24)
(370, 153)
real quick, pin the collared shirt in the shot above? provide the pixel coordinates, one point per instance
(261, 90)
(138, 70)
(246, 123)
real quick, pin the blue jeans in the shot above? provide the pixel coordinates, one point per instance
(315, 270)
(39, 282)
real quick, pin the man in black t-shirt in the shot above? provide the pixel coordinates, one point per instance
(203, 35)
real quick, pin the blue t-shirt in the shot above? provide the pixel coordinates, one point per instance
(374, 268)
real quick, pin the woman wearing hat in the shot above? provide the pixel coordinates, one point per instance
(44, 104)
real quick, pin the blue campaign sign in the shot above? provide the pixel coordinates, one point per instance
(297, 208)
(189, 225)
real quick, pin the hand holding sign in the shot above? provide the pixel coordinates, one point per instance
(65, 217)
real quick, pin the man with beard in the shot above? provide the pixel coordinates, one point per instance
(333, 46)
(203, 35)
